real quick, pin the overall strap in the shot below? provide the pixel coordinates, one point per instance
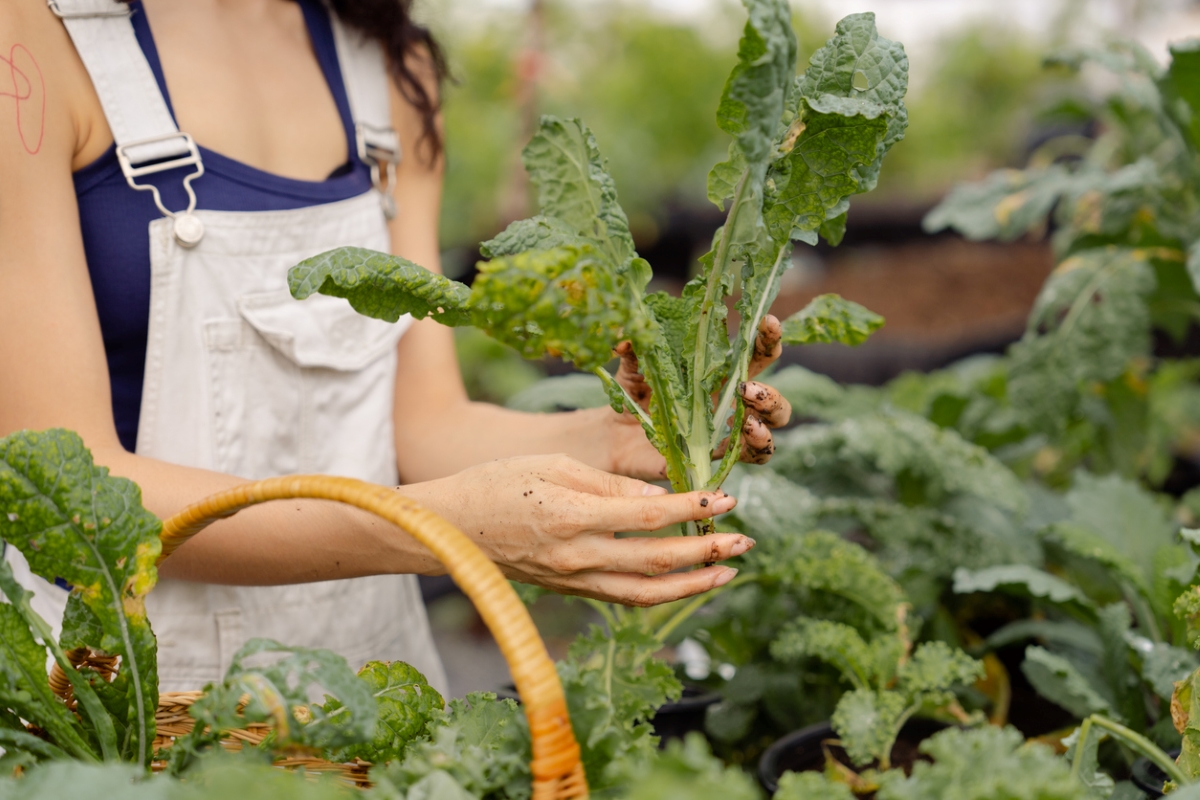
(365, 75)
(147, 139)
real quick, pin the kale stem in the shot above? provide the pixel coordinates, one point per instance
(699, 441)
(696, 604)
(1136, 742)
(748, 330)
(1085, 730)
(605, 611)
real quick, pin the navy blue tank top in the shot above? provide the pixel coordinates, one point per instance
(115, 217)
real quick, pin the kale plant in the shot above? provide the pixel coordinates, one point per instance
(1126, 214)
(891, 680)
(569, 283)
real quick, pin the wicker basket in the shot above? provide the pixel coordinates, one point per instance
(556, 766)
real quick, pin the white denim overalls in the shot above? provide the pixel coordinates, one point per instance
(242, 379)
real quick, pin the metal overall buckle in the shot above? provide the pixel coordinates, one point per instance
(189, 230)
(380, 147)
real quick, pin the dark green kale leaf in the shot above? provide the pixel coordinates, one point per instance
(574, 189)
(381, 286)
(566, 302)
(750, 110)
(860, 65)
(829, 318)
(275, 689)
(71, 520)
(24, 684)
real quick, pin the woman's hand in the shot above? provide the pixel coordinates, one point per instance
(766, 408)
(550, 521)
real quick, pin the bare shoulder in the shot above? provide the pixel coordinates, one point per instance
(46, 96)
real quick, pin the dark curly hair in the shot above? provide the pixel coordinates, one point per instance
(389, 22)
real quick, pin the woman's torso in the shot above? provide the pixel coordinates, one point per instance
(114, 218)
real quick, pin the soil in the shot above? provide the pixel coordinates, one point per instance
(943, 298)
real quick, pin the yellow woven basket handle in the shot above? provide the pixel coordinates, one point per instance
(557, 769)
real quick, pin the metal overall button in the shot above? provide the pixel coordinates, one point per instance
(189, 230)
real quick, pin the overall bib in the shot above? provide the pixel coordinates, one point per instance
(242, 379)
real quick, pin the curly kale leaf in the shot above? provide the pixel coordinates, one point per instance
(981, 764)
(829, 318)
(407, 703)
(277, 692)
(867, 722)
(479, 747)
(934, 669)
(821, 561)
(71, 520)
(835, 643)
(811, 786)
(688, 770)
(381, 286)
(614, 685)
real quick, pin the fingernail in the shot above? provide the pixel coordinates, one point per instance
(725, 577)
(720, 505)
(650, 490)
(743, 544)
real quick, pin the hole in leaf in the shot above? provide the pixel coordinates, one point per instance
(859, 81)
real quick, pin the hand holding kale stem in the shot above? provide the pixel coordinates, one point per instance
(765, 407)
(569, 283)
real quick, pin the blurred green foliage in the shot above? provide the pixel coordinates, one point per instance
(645, 84)
(973, 113)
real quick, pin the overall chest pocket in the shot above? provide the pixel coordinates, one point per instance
(302, 387)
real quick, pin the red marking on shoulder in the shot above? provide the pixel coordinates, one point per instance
(29, 96)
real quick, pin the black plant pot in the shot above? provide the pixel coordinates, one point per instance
(1147, 776)
(673, 720)
(801, 751)
(677, 719)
